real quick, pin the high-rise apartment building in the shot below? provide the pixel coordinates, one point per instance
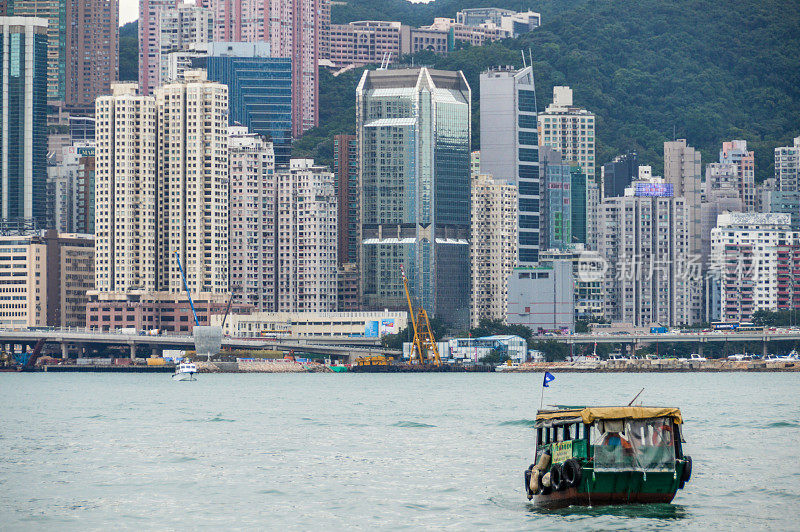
(307, 269)
(413, 128)
(644, 238)
(367, 42)
(719, 196)
(682, 168)
(193, 184)
(493, 246)
(259, 90)
(23, 119)
(162, 195)
(587, 272)
(345, 169)
(180, 29)
(149, 36)
(70, 190)
(295, 29)
(510, 148)
(126, 171)
(570, 130)
(735, 153)
(787, 167)
(253, 203)
(755, 258)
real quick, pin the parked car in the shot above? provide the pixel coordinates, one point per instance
(697, 357)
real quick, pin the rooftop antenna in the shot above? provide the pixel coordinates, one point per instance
(522, 52)
(637, 395)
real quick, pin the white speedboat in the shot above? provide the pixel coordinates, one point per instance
(185, 371)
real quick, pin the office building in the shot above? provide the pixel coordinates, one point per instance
(259, 90)
(307, 266)
(556, 203)
(44, 278)
(295, 29)
(644, 238)
(618, 174)
(755, 258)
(413, 128)
(181, 29)
(588, 268)
(735, 153)
(510, 148)
(149, 38)
(345, 169)
(70, 190)
(493, 246)
(542, 297)
(253, 202)
(23, 119)
(682, 169)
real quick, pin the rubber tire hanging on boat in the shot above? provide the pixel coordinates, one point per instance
(572, 473)
(687, 469)
(557, 477)
(528, 491)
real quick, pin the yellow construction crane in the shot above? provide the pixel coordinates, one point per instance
(424, 343)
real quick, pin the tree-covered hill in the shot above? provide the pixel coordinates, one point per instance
(129, 51)
(702, 70)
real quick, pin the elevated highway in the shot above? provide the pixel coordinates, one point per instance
(78, 339)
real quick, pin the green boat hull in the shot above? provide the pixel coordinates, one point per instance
(338, 369)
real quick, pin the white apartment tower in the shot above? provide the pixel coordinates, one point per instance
(787, 167)
(645, 242)
(682, 168)
(181, 29)
(307, 237)
(570, 130)
(193, 184)
(253, 252)
(125, 191)
(493, 246)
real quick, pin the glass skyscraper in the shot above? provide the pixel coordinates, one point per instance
(413, 133)
(23, 119)
(259, 90)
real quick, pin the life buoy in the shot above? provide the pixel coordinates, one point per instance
(572, 473)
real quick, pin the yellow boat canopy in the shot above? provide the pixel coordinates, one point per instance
(590, 413)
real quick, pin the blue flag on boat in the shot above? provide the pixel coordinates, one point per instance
(548, 377)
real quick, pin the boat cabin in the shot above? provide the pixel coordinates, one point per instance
(612, 438)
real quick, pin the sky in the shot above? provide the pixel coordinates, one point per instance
(128, 11)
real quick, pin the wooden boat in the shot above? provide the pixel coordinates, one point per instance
(607, 455)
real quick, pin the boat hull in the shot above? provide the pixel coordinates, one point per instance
(183, 377)
(573, 497)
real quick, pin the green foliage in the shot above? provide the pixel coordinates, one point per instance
(643, 67)
(783, 318)
(129, 51)
(496, 356)
(552, 349)
(337, 112)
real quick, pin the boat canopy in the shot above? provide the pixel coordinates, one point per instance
(590, 413)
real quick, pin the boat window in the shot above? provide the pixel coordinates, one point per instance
(539, 436)
(567, 432)
(633, 444)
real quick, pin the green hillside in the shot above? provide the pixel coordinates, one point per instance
(705, 70)
(129, 51)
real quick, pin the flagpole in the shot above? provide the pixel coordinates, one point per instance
(541, 401)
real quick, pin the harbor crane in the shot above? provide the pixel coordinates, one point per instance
(424, 346)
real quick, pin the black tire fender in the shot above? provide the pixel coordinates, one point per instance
(687, 469)
(557, 477)
(572, 473)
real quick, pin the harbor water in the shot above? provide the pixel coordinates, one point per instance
(369, 451)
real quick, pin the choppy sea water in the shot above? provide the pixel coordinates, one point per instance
(355, 451)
